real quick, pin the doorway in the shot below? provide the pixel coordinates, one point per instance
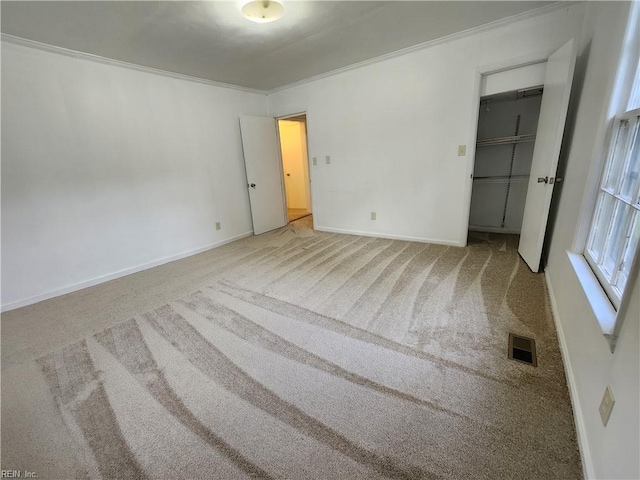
(558, 76)
(292, 133)
(507, 125)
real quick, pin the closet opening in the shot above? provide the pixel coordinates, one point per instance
(507, 125)
(292, 132)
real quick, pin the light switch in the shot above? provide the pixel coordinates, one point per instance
(606, 405)
(462, 150)
(218, 226)
(315, 160)
(373, 215)
(327, 159)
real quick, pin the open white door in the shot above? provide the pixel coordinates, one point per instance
(553, 113)
(264, 173)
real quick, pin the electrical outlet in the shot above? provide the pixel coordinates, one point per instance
(606, 405)
(315, 160)
(327, 159)
(218, 226)
(462, 150)
(373, 215)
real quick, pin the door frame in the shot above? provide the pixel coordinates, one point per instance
(478, 74)
(309, 164)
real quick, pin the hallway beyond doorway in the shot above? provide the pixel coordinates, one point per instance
(296, 213)
(295, 165)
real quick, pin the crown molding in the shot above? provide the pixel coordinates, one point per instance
(24, 42)
(432, 43)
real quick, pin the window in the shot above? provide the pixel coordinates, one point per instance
(615, 229)
(609, 238)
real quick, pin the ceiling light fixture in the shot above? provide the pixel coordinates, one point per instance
(263, 11)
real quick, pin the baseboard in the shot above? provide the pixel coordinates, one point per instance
(389, 236)
(585, 454)
(112, 276)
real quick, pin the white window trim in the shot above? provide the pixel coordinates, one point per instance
(605, 314)
(620, 81)
(598, 300)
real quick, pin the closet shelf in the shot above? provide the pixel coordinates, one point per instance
(506, 140)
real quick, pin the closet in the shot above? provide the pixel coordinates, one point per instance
(507, 124)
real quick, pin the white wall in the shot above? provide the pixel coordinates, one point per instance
(107, 169)
(611, 451)
(392, 130)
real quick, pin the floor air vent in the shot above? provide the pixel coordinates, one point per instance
(522, 349)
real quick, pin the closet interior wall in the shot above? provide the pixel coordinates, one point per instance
(507, 125)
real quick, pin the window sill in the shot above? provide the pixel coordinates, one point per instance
(600, 303)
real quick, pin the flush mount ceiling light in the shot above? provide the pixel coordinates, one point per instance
(263, 11)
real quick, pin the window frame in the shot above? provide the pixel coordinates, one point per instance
(614, 293)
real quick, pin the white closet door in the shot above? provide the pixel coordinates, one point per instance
(264, 173)
(553, 113)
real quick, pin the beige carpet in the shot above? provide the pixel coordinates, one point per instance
(295, 354)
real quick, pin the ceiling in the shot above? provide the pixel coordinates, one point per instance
(211, 40)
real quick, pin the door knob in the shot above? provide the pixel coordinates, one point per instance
(253, 185)
(543, 179)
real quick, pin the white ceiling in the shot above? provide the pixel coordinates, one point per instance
(211, 40)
